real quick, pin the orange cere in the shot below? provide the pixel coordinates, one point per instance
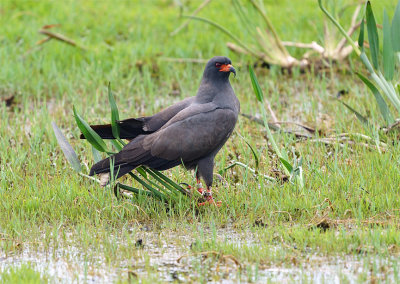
(225, 68)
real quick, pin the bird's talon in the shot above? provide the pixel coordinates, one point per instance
(210, 201)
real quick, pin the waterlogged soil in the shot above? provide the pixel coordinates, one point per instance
(171, 257)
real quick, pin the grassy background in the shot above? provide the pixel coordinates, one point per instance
(44, 205)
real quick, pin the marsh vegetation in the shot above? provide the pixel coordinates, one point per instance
(324, 207)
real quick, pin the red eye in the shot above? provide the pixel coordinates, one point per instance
(218, 65)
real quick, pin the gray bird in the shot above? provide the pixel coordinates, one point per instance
(190, 132)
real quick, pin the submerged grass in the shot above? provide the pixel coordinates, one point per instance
(348, 207)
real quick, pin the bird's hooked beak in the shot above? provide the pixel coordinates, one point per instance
(227, 68)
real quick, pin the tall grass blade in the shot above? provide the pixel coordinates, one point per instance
(113, 173)
(372, 36)
(247, 168)
(396, 29)
(365, 60)
(160, 188)
(383, 107)
(388, 54)
(156, 193)
(298, 173)
(361, 36)
(141, 170)
(287, 165)
(67, 149)
(89, 133)
(114, 113)
(388, 89)
(172, 189)
(114, 116)
(256, 85)
(256, 159)
(135, 190)
(260, 98)
(359, 116)
(174, 184)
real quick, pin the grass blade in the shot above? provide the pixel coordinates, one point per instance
(174, 184)
(114, 116)
(287, 165)
(247, 168)
(135, 190)
(260, 98)
(388, 89)
(254, 154)
(89, 133)
(171, 195)
(361, 35)
(256, 85)
(172, 189)
(383, 107)
(388, 55)
(67, 149)
(372, 36)
(359, 116)
(257, 160)
(141, 170)
(364, 59)
(114, 113)
(156, 193)
(396, 29)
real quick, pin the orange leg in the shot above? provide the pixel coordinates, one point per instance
(207, 194)
(199, 186)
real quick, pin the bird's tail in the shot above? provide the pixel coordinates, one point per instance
(132, 156)
(129, 129)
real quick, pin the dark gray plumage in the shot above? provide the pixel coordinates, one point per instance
(190, 132)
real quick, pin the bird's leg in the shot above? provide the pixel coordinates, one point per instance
(205, 170)
(199, 186)
(209, 198)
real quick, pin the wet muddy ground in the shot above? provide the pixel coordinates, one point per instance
(167, 256)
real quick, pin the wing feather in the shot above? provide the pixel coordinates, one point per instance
(193, 137)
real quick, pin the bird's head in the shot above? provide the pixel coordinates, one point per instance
(219, 67)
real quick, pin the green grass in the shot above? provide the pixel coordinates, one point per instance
(23, 274)
(46, 207)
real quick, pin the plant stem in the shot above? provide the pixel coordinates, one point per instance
(336, 23)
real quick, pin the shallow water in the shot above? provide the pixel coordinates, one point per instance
(168, 260)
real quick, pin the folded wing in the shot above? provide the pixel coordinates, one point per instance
(194, 133)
